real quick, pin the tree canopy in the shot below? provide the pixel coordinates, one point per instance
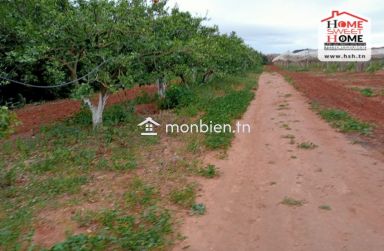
(128, 42)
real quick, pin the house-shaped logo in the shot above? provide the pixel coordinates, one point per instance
(344, 36)
(336, 13)
(149, 124)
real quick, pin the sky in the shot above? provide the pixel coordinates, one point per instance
(276, 26)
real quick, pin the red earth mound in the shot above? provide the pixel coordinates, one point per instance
(34, 116)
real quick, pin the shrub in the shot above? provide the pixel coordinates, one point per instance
(367, 92)
(176, 96)
(113, 115)
(145, 98)
(8, 121)
(7, 177)
(374, 66)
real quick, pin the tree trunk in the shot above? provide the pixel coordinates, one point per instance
(97, 111)
(194, 73)
(161, 87)
(182, 77)
(207, 75)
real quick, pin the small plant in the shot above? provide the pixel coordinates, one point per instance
(284, 106)
(286, 126)
(198, 209)
(325, 207)
(288, 136)
(194, 145)
(7, 178)
(8, 122)
(209, 171)
(84, 219)
(292, 202)
(140, 194)
(288, 79)
(184, 196)
(307, 145)
(367, 92)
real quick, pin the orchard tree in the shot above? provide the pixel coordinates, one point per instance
(74, 38)
(101, 46)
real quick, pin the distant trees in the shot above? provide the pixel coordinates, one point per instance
(127, 41)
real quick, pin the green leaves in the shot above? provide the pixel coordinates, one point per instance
(49, 42)
(82, 91)
(8, 121)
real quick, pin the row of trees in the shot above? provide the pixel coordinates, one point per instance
(121, 42)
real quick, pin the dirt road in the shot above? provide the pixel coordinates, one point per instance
(338, 186)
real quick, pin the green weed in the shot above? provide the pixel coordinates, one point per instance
(209, 171)
(147, 231)
(198, 209)
(184, 196)
(292, 202)
(344, 122)
(325, 207)
(140, 194)
(367, 92)
(307, 145)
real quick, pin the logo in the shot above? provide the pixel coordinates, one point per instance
(149, 124)
(344, 37)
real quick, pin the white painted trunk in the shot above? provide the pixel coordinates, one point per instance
(97, 111)
(194, 74)
(161, 86)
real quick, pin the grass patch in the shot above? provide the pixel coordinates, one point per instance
(288, 79)
(140, 194)
(344, 122)
(367, 92)
(288, 201)
(60, 160)
(296, 68)
(68, 163)
(125, 232)
(209, 171)
(198, 209)
(145, 98)
(325, 207)
(223, 110)
(307, 145)
(288, 136)
(220, 102)
(184, 196)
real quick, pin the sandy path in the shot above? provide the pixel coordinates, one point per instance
(244, 209)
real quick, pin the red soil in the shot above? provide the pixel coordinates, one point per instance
(145, 109)
(334, 90)
(34, 116)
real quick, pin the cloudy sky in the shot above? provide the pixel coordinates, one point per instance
(281, 25)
